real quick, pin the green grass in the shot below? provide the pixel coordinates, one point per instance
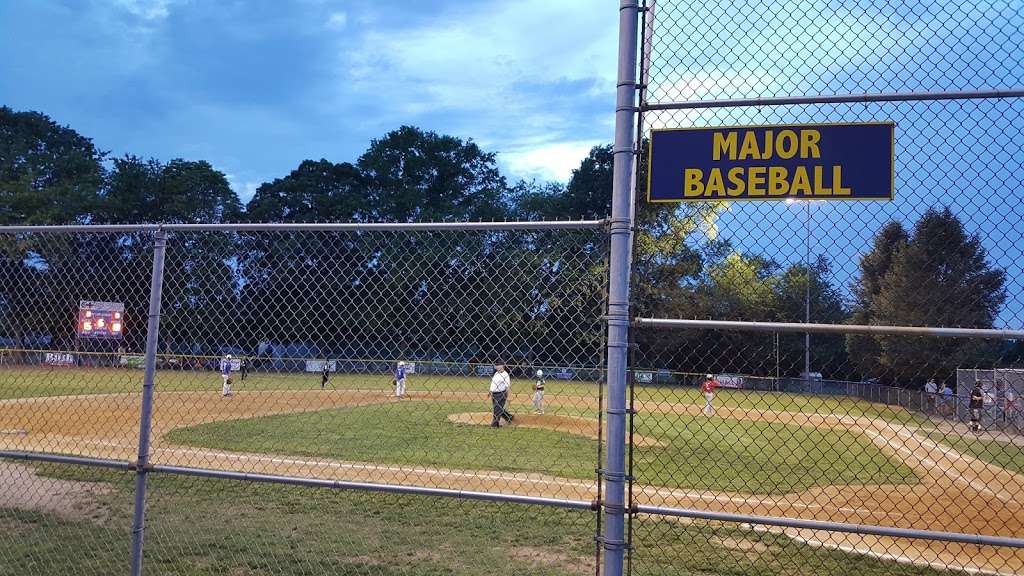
(208, 527)
(1005, 454)
(712, 454)
(21, 382)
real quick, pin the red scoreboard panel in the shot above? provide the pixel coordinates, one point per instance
(100, 319)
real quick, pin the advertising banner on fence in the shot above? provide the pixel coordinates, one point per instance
(778, 162)
(314, 365)
(59, 359)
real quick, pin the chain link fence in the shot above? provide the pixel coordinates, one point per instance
(308, 399)
(747, 427)
(315, 400)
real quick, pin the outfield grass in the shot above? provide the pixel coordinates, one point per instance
(208, 527)
(1005, 454)
(713, 454)
(20, 382)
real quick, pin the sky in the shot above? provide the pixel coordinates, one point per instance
(255, 87)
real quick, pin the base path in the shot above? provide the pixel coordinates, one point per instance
(957, 493)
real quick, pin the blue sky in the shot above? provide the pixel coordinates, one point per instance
(256, 87)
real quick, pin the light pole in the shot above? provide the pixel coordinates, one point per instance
(807, 283)
(807, 292)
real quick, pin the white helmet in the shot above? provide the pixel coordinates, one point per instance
(228, 356)
(401, 363)
(540, 373)
(710, 376)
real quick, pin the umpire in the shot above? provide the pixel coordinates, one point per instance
(500, 384)
(325, 374)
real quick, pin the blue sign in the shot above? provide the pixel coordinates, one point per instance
(796, 161)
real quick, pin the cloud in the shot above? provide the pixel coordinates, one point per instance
(554, 161)
(148, 9)
(517, 77)
(337, 20)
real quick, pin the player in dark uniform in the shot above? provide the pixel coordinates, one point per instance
(325, 374)
(977, 403)
(243, 367)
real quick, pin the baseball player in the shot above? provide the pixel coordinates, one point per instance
(538, 393)
(325, 374)
(708, 389)
(400, 380)
(243, 368)
(225, 372)
(498, 393)
(976, 404)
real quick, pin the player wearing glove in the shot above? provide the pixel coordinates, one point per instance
(399, 380)
(538, 393)
(225, 372)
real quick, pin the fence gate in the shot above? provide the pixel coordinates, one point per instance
(803, 425)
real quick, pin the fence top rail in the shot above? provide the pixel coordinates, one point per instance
(933, 331)
(312, 227)
(1015, 92)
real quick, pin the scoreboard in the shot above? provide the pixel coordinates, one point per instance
(100, 319)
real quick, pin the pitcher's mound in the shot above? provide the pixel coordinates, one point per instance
(585, 427)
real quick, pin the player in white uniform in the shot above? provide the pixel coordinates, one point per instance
(225, 372)
(538, 394)
(400, 380)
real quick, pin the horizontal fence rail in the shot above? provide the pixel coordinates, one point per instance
(311, 227)
(375, 487)
(892, 532)
(796, 327)
(835, 99)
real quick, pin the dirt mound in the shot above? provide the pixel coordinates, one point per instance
(585, 427)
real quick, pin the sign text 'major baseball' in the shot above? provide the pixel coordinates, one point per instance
(826, 162)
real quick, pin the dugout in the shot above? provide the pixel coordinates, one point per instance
(998, 385)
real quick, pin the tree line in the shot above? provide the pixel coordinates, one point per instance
(464, 296)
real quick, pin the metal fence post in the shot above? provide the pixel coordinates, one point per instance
(142, 464)
(613, 539)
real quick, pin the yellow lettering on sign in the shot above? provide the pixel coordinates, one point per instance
(801, 182)
(738, 184)
(837, 181)
(809, 140)
(693, 183)
(723, 144)
(755, 180)
(819, 182)
(778, 185)
(716, 186)
(786, 144)
(749, 148)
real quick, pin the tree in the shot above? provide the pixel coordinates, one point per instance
(587, 196)
(940, 277)
(864, 351)
(316, 191)
(414, 175)
(49, 174)
(179, 192)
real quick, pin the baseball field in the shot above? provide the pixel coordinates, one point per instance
(762, 453)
